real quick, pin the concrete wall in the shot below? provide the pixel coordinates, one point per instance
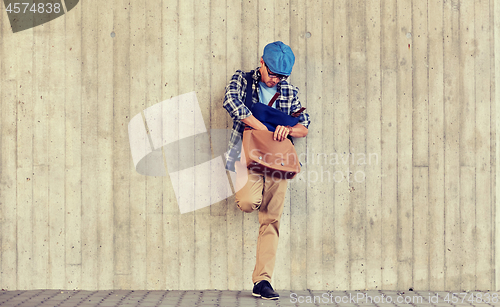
(404, 106)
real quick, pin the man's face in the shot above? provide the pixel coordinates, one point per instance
(269, 81)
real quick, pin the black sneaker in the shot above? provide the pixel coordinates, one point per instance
(263, 289)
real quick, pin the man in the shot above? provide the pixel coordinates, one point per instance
(260, 191)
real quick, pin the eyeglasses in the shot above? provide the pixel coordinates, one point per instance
(272, 75)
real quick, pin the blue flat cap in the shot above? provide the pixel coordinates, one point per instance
(279, 58)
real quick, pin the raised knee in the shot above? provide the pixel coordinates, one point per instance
(247, 205)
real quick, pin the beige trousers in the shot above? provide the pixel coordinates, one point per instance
(266, 194)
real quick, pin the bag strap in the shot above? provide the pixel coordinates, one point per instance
(273, 99)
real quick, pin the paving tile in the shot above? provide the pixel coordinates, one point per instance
(170, 300)
(208, 298)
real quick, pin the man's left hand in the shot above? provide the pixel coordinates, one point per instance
(281, 133)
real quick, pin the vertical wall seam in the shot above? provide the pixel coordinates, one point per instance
(496, 32)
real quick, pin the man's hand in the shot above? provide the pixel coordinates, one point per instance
(281, 133)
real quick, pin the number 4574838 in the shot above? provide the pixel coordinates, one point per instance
(472, 298)
(40, 8)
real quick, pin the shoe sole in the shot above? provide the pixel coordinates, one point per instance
(266, 298)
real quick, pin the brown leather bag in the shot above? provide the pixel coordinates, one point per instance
(262, 154)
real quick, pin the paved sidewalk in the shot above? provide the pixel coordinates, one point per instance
(208, 298)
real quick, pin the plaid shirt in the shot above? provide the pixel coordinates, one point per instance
(234, 102)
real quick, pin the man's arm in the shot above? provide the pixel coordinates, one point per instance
(253, 122)
(233, 99)
(297, 131)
